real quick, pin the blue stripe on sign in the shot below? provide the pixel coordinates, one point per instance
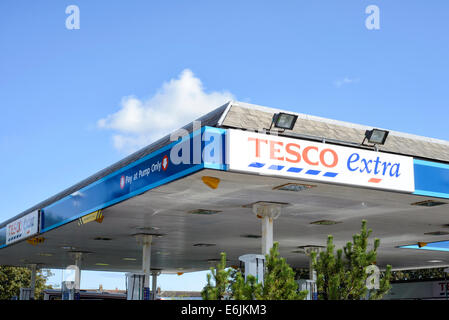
(294, 169)
(330, 174)
(256, 165)
(276, 167)
(313, 172)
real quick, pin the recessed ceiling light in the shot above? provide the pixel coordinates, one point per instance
(428, 203)
(251, 236)
(101, 264)
(436, 233)
(310, 246)
(296, 187)
(102, 239)
(80, 251)
(204, 244)
(147, 228)
(435, 261)
(204, 211)
(215, 260)
(45, 254)
(250, 205)
(163, 253)
(157, 235)
(325, 222)
(129, 259)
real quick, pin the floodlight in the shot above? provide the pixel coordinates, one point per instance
(376, 136)
(284, 120)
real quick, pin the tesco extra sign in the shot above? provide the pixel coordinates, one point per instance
(22, 228)
(273, 155)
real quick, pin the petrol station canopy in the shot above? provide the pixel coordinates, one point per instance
(194, 192)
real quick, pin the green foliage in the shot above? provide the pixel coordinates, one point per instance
(218, 290)
(279, 282)
(14, 278)
(249, 290)
(341, 275)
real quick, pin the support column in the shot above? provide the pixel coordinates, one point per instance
(33, 280)
(308, 251)
(311, 283)
(146, 264)
(78, 260)
(155, 273)
(267, 212)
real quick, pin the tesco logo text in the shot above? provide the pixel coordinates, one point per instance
(310, 155)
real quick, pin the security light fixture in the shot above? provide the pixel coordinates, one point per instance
(284, 121)
(376, 136)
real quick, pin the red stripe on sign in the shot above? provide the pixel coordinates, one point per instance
(374, 180)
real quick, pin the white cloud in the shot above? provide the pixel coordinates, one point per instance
(176, 103)
(341, 82)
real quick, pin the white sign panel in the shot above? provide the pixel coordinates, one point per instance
(22, 228)
(295, 158)
(441, 289)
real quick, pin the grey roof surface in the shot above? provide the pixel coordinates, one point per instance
(253, 117)
(248, 116)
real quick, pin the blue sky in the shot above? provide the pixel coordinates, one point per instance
(61, 91)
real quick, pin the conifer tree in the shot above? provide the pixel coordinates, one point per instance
(218, 290)
(279, 279)
(279, 282)
(342, 275)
